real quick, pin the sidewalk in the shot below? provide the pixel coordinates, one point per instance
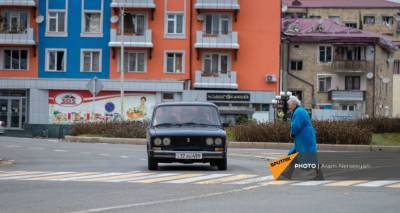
(251, 145)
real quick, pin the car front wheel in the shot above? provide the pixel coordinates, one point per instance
(152, 164)
(222, 164)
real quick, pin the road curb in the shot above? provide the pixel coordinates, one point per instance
(249, 145)
(6, 162)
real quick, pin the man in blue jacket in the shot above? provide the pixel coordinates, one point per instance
(303, 133)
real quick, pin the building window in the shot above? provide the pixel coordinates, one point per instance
(298, 94)
(335, 18)
(387, 20)
(56, 60)
(175, 24)
(92, 22)
(352, 25)
(14, 22)
(90, 60)
(396, 67)
(134, 23)
(315, 17)
(56, 22)
(350, 107)
(296, 65)
(261, 107)
(168, 97)
(174, 62)
(15, 59)
(369, 20)
(324, 83)
(325, 54)
(216, 63)
(135, 61)
(217, 24)
(352, 83)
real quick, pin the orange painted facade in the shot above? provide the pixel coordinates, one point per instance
(32, 70)
(258, 26)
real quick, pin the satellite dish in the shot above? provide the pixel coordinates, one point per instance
(385, 80)
(114, 19)
(370, 75)
(39, 19)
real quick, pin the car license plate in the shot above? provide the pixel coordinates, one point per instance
(188, 156)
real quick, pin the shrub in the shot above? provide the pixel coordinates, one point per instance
(328, 132)
(380, 125)
(122, 129)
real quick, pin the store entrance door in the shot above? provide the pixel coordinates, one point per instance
(12, 112)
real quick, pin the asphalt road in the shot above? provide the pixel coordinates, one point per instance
(53, 176)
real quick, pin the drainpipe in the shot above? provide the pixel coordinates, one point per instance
(190, 44)
(298, 78)
(373, 94)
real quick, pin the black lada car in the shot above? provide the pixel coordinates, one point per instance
(187, 133)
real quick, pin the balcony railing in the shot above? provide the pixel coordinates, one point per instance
(218, 41)
(133, 3)
(144, 40)
(25, 37)
(217, 4)
(217, 81)
(346, 95)
(362, 65)
(31, 3)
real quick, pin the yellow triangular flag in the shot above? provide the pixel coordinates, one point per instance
(278, 166)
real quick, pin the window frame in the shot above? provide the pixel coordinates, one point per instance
(47, 50)
(82, 61)
(220, 55)
(297, 62)
(222, 17)
(351, 23)
(175, 35)
(166, 61)
(14, 49)
(324, 77)
(389, 17)
(145, 24)
(369, 16)
(125, 61)
(325, 61)
(352, 79)
(83, 20)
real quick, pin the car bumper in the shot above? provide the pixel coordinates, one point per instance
(206, 155)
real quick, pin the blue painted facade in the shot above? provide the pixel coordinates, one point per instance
(73, 41)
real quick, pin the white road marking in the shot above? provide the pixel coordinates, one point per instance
(13, 146)
(378, 183)
(312, 183)
(88, 176)
(59, 150)
(195, 179)
(36, 148)
(146, 177)
(18, 176)
(253, 180)
(123, 156)
(105, 155)
(43, 175)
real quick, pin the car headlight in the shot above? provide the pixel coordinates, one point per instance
(209, 141)
(218, 141)
(167, 141)
(157, 141)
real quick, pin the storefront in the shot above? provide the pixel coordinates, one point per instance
(13, 108)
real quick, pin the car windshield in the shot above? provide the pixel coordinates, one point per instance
(186, 115)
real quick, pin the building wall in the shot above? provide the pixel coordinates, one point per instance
(396, 96)
(32, 71)
(73, 41)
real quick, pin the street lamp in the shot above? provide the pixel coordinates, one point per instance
(114, 20)
(280, 104)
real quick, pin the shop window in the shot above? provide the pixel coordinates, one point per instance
(261, 107)
(168, 96)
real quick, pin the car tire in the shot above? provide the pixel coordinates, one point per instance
(152, 164)
(222, 164)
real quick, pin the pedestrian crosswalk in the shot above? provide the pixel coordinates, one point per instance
(198, 178)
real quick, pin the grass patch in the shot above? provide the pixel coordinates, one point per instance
(388, 139)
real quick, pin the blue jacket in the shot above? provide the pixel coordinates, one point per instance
(303, 132)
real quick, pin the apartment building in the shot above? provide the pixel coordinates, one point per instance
(153, 50)
(331, 66)
(380, 16)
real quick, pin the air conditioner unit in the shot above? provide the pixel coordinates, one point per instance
(270, 78)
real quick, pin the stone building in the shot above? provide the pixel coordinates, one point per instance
(331, 66)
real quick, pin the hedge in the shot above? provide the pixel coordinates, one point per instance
(122, 129)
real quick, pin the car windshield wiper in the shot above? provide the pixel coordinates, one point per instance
(198, 124)
(166, 124)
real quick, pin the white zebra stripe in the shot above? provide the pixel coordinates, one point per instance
(195, 179)
(377, 183)
(88, 176)
(253, 180)
(39, 174)
(313, 183)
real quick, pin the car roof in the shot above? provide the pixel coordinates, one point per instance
(187, 103)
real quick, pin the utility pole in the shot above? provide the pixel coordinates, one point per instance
(121, 67)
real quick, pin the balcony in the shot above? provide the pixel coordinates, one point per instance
(133, 4)
(346, 95)
(218, 81)
(344, 66)
(25, 37)
(220, 41)
(142, 41)
(27, 3)
(217, 4)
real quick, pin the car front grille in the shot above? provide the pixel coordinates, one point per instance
(189, 144)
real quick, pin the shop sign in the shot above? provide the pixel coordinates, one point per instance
(228, 97)
(68, 99)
